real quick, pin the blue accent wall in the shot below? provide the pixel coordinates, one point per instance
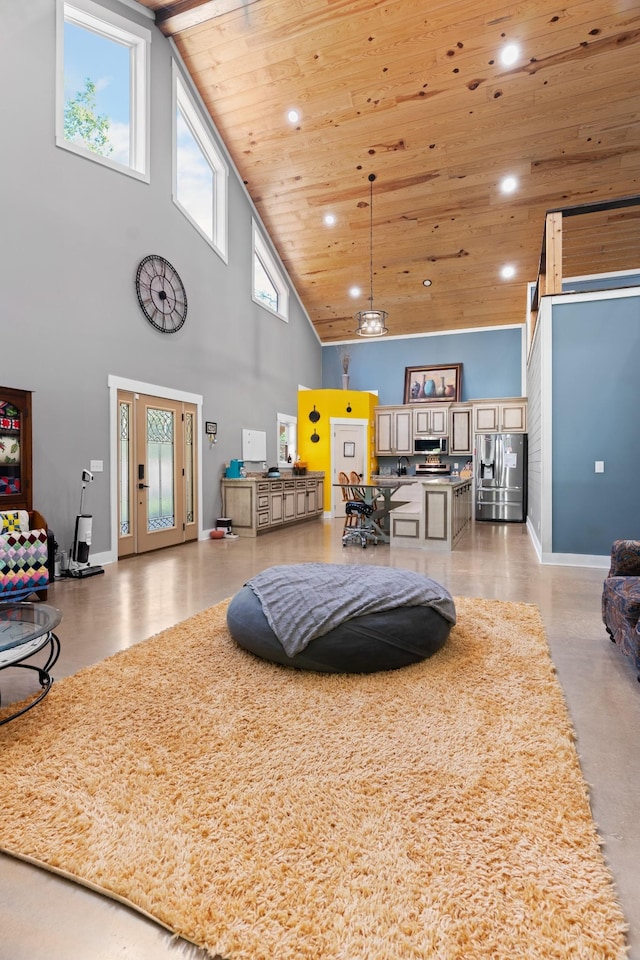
(600, 283)
(596, 416)
(491, 363)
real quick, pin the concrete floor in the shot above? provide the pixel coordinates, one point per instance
(44, 916)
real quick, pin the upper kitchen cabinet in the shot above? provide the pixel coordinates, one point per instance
(394, 431)
(500, 416)
(460, 430)
(431, 420)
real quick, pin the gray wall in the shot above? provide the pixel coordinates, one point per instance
(73, 234)
(596, 404)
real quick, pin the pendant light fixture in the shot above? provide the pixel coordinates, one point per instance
(371, 323)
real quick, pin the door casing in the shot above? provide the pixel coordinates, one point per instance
(116, 383)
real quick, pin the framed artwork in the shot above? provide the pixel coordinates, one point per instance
(349, 449)
(433, 384)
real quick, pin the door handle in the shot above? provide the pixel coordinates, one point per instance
(143, 486)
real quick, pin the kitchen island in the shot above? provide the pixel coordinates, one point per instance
(436, 517)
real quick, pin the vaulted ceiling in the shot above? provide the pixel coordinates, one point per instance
(414, 92)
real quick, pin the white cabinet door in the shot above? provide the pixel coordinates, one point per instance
(460, 432)
(513, 417)
(385, 420)
(404, 432)
(394, 431)
(497, 416)
(431, 420)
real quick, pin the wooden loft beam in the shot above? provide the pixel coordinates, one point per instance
(553, 265)
(184, 14)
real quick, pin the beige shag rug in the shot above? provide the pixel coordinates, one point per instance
(269, 814)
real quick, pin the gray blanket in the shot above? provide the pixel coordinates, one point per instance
(306, 600)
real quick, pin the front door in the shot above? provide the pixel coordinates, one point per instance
(347, 456)
(156, 473)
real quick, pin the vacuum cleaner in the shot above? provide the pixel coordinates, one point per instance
(79, 565)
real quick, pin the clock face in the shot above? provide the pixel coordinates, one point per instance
(161, 294)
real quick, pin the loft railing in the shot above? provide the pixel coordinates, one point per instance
(586, 240)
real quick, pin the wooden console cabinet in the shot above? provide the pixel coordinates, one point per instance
(258, 505)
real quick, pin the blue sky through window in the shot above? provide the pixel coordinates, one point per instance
(194, 188)
(106, 63)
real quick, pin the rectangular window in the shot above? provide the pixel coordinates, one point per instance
(102, 100)
(200, 171)
(287, 429)
(270, 289)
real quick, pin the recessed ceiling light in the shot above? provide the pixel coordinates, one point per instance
(329, 219)
(355, 292)
(507, 272)
(427, 283)
(293, 116)
(509, 184)
(509, 54)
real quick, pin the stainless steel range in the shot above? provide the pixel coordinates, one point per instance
(431, 466)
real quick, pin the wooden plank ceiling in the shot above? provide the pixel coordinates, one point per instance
(414, 92)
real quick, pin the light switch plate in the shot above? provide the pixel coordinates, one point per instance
(599, 466)
(96, 466)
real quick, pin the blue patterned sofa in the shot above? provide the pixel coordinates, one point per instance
(24, 555)
(621, 598)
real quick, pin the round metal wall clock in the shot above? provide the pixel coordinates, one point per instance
(161, 294)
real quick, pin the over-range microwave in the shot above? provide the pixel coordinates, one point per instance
(430, 445)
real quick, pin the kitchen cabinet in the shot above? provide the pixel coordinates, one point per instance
(258, 505)
(500, 416)
(431, 420)
(460, 430)
(394, 431)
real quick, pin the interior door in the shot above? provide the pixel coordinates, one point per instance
(156, 472)
(348, 454)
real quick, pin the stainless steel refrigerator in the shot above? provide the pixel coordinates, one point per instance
(501, 476)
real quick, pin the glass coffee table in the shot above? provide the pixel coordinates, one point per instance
(25, 629)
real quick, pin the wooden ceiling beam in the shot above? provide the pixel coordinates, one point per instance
(182, 15)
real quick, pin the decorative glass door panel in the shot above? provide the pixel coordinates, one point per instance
(160, 472)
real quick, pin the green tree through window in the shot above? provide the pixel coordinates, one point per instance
(83, 125)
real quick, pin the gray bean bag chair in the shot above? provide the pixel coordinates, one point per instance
(337, 618)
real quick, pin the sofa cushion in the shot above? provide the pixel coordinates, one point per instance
(14, 521)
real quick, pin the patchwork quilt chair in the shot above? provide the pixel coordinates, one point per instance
(621, 598)
(24, 555)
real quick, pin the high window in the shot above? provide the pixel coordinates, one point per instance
(102, 97)
(269, 287)
(200, 172)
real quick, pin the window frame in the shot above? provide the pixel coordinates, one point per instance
(195, 117)
(261, 251)
(291, 421)
(98, 19)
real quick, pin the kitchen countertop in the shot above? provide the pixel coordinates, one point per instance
(447, 480)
